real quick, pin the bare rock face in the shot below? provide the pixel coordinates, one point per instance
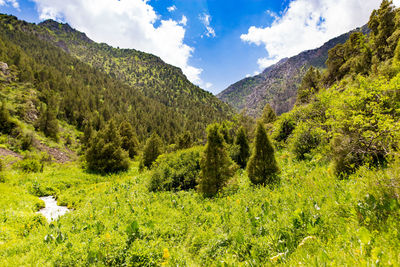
(4, 68)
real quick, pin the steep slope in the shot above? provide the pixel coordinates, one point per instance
(145, 72)
(278, 83)
(153, 95)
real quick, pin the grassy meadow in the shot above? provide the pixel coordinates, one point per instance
(310, 218)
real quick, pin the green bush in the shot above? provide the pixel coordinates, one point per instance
(284, 128)
(305, 139)
(176, 171)
(30, 164)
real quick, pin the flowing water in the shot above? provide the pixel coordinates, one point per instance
(52, 211)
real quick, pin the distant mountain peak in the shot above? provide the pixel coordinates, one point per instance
(278, 83)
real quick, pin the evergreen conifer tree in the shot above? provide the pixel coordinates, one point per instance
(129, 140)
(216, 166)
(244, 148)
(105, 154)
(262, 166)
(48, 123)
(269, 114)
(152, 150)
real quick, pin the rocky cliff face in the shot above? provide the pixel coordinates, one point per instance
(277, 84)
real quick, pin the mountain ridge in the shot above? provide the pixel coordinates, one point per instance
(277, 84)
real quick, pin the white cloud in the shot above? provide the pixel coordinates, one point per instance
(308, 24)
(126, 24)
(183, 21)
(206, 20)
(208, 85)
(13, 3)
(171, 8)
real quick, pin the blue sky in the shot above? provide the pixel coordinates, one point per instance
(215, 42)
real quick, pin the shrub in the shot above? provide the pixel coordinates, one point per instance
(27, 141)
(262, 166)
(284, 128)
(30, 164)
(7, 125)
(176, 171)
(305, 138)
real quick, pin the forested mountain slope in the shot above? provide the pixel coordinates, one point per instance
(152, 95)
(277, 84)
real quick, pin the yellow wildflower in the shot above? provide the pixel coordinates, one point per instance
(166, 254)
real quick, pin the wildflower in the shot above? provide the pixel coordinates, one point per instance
(238, 201)
(166, 254)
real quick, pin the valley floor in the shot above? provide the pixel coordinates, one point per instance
(311, 218)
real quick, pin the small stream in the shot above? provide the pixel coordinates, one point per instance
(52, 211)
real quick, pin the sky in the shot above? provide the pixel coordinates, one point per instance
(214, 42)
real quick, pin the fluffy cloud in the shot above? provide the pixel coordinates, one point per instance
(184, 20)
(171, 8)
(206, 20)
(126, 24)
(308, 24)
(13, 3)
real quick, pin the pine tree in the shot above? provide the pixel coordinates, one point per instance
(105, 154)
(47, 122)
(269, 114)
(244, 148)
(262, 167)
(152, 150)
(216, 166)
(129, 140)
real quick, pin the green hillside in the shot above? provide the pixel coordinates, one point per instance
(321, 186)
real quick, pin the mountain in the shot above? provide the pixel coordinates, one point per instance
(153, 95)
(277, 84)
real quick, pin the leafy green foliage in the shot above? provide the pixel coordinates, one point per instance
(152, 150)
(94, 94)
(105, 154)
(309, 86)
(47, 122)
(185, 140)
(382, 24)
(216, 165)
(305, 139)
(6, 123)
(176, 171)
(285, 126)
(262, 167)
(268, 115)
(243, 153)
(129, 140)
